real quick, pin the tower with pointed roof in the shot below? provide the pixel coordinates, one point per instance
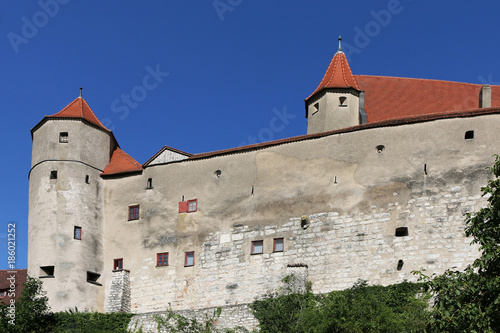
(70, 150)
(336, 101)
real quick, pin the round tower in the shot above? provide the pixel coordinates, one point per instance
(65, 237)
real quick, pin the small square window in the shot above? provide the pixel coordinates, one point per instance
(257, 247)
(118, 264)
(469, 135)
(77, 234)
(63, 137)
(401, 231)
(189, 259)
(53, 174)
(162, 259)
(93, 277)
(46, 272)
(133, 212)
(192, 205)
(278, 245)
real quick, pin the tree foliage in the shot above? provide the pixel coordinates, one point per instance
(362, 308)
(469, 301)
(32, 313)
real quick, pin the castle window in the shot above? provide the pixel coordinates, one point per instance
(342, 101)
(401, 231)
(189, 206)
(87, 179)
(400, 264)
(192, 205)
(257, 247)
(162, 259)
(469, 135)
(93, 277)
(380, 148)
(149, 184)
(316, 109)
(278, 245)
(63, 137)
(3, 293)
(133, 212)
(77, 234)
(118, 264)
(53, 174)
(189, 259)
(46, 272)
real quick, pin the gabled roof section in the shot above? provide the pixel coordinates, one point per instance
(167, 154)
(338, 75)
(121, 163)
(395, 97)
(81, 110)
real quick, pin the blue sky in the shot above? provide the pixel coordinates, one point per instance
(225, 68)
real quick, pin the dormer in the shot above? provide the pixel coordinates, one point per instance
(336, 102)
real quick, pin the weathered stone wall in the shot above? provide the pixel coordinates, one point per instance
(119, 296)
(353, 197)
(231, 316)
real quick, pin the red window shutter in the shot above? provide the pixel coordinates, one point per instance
(183, 206)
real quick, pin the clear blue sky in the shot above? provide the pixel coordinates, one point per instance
(231, 64)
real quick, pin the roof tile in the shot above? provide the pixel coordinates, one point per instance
(79, 109)
(121, 162)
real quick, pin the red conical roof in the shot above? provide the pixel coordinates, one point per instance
(121, 162)
(79, 109)
(338, 75)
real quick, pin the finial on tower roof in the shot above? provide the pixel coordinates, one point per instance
(81, 92)
(340, 44)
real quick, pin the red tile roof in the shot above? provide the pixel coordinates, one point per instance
(20, 280)
(79, 109)
(338, 75)
(394, 97)
(120, 163)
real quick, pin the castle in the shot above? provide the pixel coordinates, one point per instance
(377, 188)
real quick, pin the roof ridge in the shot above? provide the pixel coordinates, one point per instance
(416, 78)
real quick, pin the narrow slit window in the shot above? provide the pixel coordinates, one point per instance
(53, 174)
(400, 264)
(469, 135)
(93, 278)
(162, 259)
(278, 245)
(77, 233)
(189, 259)
(342, 101)
(63, 137)
(257, 247)
(118, 264)
(87, 179)
(133, 212)
(149, 184)
(46, 271)
(315, 109)
(401, 231)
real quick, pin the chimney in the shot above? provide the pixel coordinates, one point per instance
(485, 97)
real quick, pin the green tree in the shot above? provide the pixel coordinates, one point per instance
(32, 313)
(361, 308)
(469, 301)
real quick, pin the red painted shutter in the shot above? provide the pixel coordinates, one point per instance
(183, 206)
